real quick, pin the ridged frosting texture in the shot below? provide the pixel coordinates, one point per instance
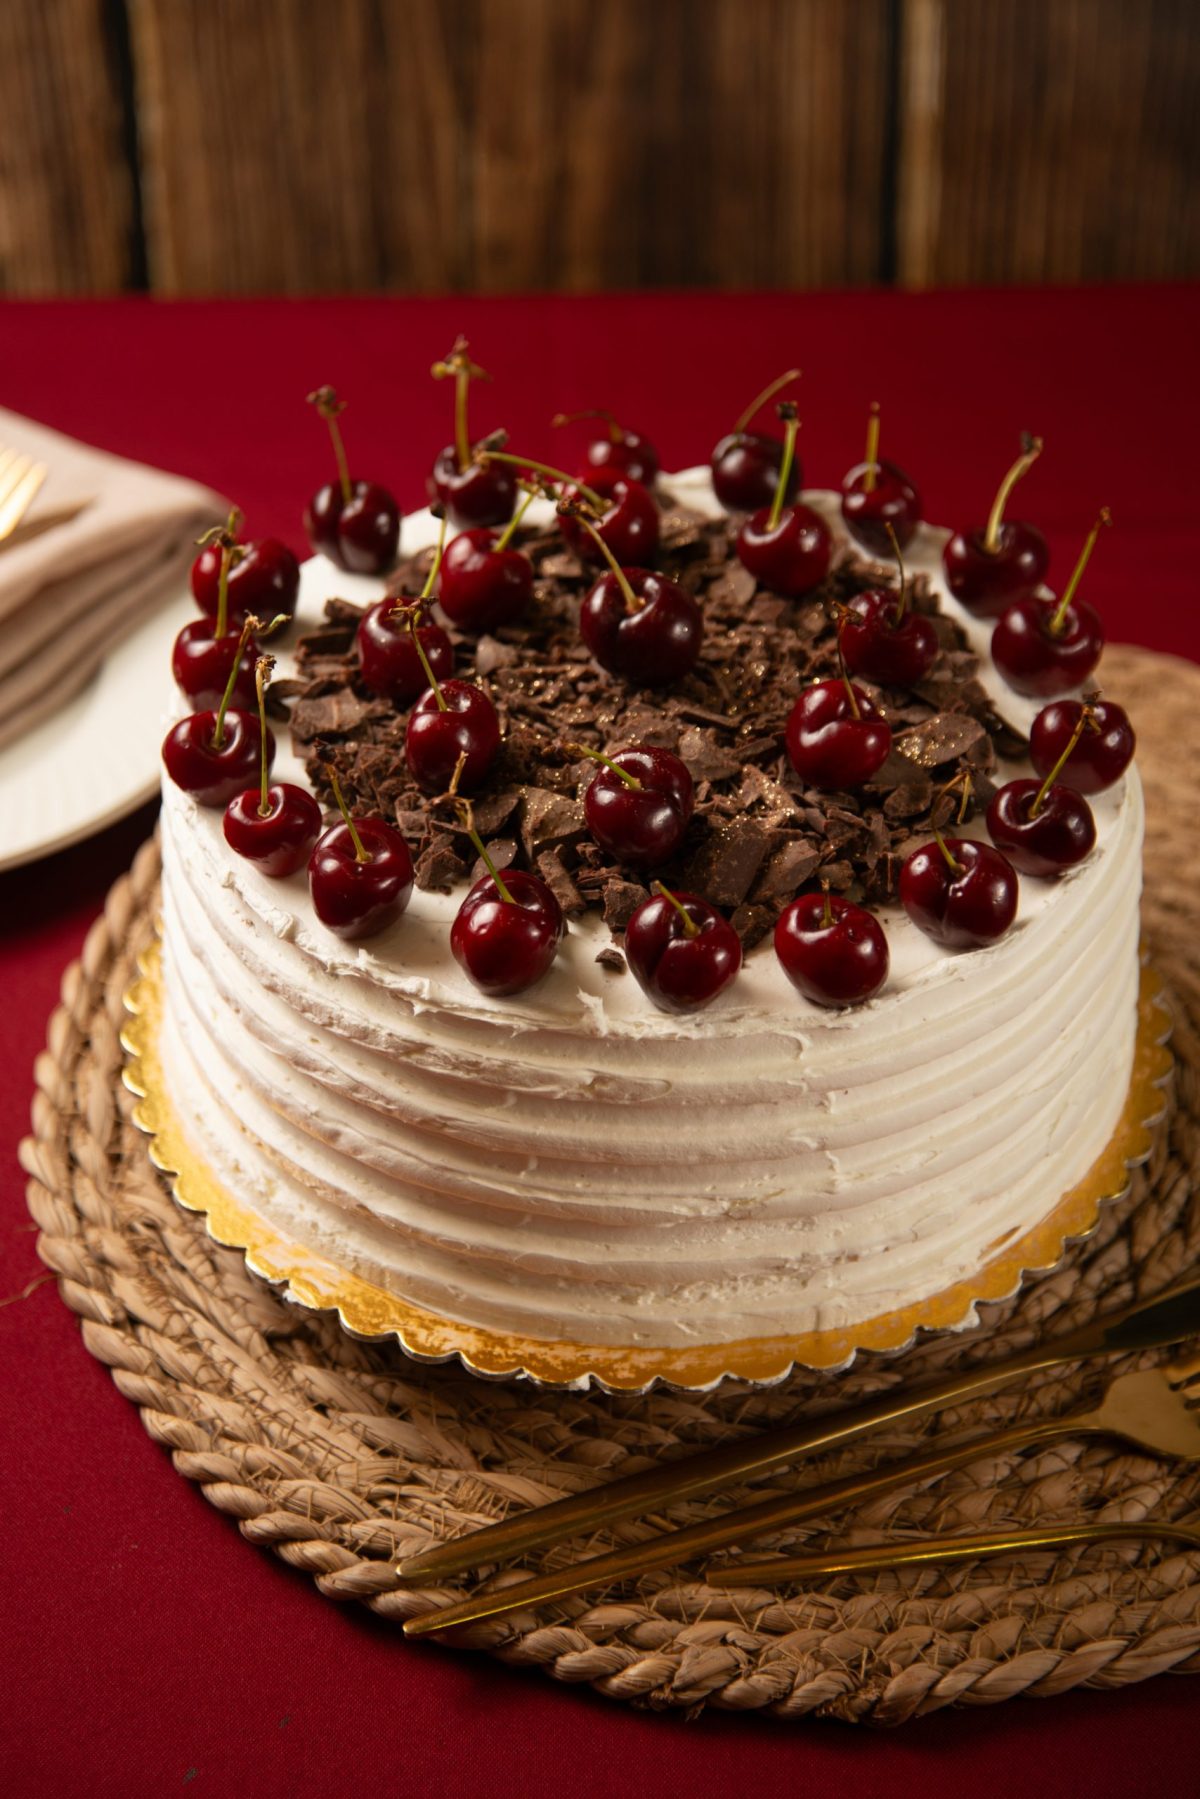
(573, 1164)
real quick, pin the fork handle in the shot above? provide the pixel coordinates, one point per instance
(742, 1524)
(788, 1569)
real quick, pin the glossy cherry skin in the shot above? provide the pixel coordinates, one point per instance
(200, 663)
(388, 660)
(628, 524)
(964, 909)
(681, 973)
(986, 582)
(483, 493)
(641, 826)
(356, 899)
(837, 963)
(652, 646)
(505, 946)
(213, 776)
(829, 747)
(790, 559)
(1100, 757)
(481, 587)
(359, 534)
(1036, 661)
(1061, 834)
(435, 739)
(265, 582)
(745, 471)
(629, 453)
(281, 842)
(892, 501)
(875, 646)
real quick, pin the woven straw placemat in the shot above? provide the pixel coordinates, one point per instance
(342, 1456)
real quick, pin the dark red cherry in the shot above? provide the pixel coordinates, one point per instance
(1045, 647)
(471, 491)
(836, 736)
(988, 568)
(388, 659)
(641, 626)
(265, 581)
(682, 952)
(960, 892)
(987, 581)
(1041, 829)
(211, 771)
(355, 523)
(638, 806)
(1043, 650)
(1103, 751)
(505, 933)
(832, 951)
(746, 464)
(463, 724)
(867, 512)
(625, 452)
(360, 533)
(791, 557)
(476, 494)
(358, 896)
(279, 840)
(896, 650)
(627, 520)
(484, 585)
(201, 663)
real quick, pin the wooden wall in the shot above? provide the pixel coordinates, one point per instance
(243, 146)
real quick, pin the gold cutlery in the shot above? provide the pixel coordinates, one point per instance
(45, 521)
(1150, 1325)
(790, 1569)
(1151, 1409)
(20, 479)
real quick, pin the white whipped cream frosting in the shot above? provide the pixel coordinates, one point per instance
(574, 1165)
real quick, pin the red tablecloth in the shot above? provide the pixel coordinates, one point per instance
(144, 1647)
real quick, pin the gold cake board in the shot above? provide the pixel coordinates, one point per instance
(343, 1456)
(310, 1279)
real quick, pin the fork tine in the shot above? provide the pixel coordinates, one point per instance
(14, 508)
(13, 473)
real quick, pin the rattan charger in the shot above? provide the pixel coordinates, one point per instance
(343, 1456)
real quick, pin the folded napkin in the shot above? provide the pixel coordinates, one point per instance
(70, 592)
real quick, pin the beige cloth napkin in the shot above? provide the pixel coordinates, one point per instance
(69, 593)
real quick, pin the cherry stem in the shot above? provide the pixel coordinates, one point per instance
(427, 591)
(848, 683)
(963, 779)
(632, 602)
(760, 400)
(361, 854)
(466, 822)
(690, 927)
(827, 909)
(509, 531)
(553, 474)
(328, 405)
(1031, 449)
(615, 432)
(902, 603)
(956, 868)
(581, 749)
(871, 463)
(459, 366)
(1103, 519)
(247, 631)
(262, 674)
(1039, 798)
(791, 424)
(419, 647)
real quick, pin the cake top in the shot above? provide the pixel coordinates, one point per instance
(759, 833)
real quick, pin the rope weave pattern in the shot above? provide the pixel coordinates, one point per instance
(342, 1456)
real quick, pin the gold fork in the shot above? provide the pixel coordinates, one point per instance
(1151, 1409)
(20, 479)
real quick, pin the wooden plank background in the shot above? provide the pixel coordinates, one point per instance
(289, 146)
